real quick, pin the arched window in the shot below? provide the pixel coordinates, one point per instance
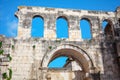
(104, 24)
(107, 29)
(37, 27)
(85, 29)
(62, 28)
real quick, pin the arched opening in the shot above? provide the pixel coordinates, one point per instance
(65, 62)
(104, 24)
(76, 63)
(107, 29)
(62, 27)
(85, 27)
(54, 63)
(69, 66)
(37, 27)
(72, 55)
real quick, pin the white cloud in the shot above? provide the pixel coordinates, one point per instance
(12, 26)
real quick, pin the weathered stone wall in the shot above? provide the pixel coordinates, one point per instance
(32, 55)
(64, 75)
(50, 15)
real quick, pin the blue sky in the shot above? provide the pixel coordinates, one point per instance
(8, 22)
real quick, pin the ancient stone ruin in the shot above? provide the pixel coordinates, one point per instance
(94, 59)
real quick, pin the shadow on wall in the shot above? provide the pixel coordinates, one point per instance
(79, 75)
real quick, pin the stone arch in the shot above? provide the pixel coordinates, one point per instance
(37, 27)
(89, 27)
(63, 16)
(108, 20)
(109, 28)
(72, 51)
(88, 19)
(37, 16)
(66, 27)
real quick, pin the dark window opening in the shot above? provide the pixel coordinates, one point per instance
(107, 29)
(119, 22)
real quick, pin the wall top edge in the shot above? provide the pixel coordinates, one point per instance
(62, 9)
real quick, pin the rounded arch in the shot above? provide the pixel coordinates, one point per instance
(108, 28)
(34, 16)
(108, 20)
(64, 17)
(37, 29)
(72, 51)
(62, 22)
(88, 19)
(86, 28)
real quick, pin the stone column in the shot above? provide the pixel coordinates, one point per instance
(24, 26)
(101, 35)
(49, 27)
(95, 29)
(74, 29)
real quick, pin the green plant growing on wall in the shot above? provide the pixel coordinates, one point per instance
(13, 47)
(1, 51)
(6, 76)
(50, 47)
(33, 46)
(10, 73)
(58, 41)
(9, 57)
(1, 44)
(90, 40)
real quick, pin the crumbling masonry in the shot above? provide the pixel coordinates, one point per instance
(98, 58)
